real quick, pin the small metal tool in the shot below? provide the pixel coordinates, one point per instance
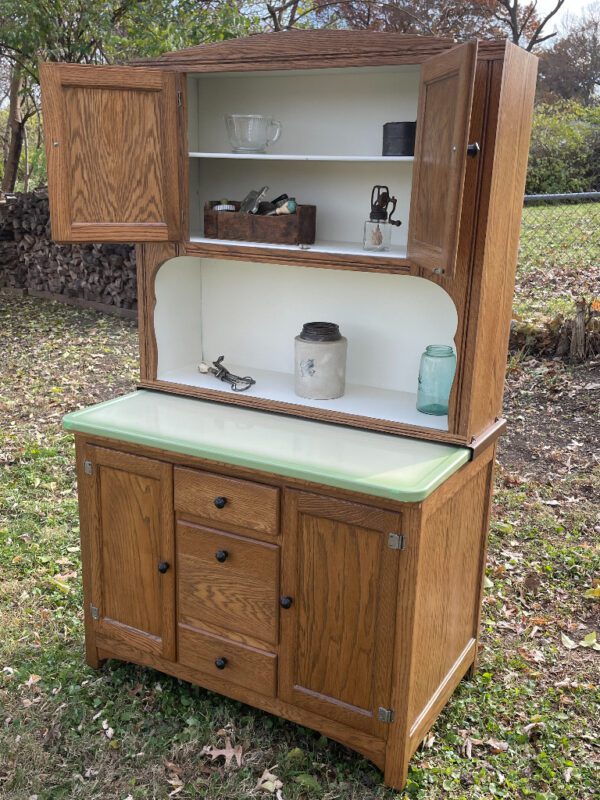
(252, 200)
(221, 372)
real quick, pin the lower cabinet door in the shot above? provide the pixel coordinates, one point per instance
(127, 517)
(339, 595)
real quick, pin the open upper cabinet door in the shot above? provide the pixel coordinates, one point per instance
(111, 145)
(444, 115)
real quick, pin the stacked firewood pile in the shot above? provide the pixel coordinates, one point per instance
(101, 273)
(12, 272)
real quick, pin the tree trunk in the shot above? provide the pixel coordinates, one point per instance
(16, 128)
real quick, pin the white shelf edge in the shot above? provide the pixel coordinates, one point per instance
(321, 247)
(358, 400)
(297, 157)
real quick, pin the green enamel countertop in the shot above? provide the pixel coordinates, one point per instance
(361, 461)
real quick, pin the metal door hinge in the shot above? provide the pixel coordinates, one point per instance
(397, 541)
(88, 467)
(385, 715)
(179, 100)
(94, 612)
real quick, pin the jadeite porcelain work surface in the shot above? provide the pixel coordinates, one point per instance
(361, 461)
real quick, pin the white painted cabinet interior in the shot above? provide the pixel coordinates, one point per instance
(329, 152)
(250, 313)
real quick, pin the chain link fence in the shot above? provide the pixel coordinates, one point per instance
(560, 230)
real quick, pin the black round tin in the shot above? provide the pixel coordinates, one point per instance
(399, 138)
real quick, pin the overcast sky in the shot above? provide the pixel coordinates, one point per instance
(571, 8)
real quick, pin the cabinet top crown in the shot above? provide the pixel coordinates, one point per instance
(299, 49)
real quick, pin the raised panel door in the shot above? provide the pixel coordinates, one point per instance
(337, 634)
(111, 146)
(443, 119)
(132, 587)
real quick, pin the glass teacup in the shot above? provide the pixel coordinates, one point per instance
(251, 133)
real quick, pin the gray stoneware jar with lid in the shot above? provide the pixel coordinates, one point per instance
(320, 361)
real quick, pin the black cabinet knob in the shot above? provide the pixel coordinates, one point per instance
(220, 663)
(473, 149)
(163, 567)
(286, 602)
(221, 555)
(220, 502)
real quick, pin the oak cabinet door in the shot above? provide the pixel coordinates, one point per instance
(336, 647)
(129, 523)
(111, 146)
(443, 119)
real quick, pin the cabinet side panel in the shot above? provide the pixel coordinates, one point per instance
(448, 585)
(498, 238)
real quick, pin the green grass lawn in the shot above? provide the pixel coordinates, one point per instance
(525, 726)
(559, 258)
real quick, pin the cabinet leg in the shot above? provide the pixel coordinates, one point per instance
(396, 771)
(397, 759)
(91, 658)
(472, 671)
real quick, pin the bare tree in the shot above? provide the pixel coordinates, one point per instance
(571, 67)
(525, 26)
(518, 19)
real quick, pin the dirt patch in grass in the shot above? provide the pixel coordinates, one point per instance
(524, 726)
(553, 410)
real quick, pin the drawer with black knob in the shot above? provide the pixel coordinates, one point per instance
(228, 502)
(228, 581)
(230, 661)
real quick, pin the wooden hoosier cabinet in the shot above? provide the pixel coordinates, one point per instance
(321, 559)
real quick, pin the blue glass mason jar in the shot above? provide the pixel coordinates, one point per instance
(436, 373)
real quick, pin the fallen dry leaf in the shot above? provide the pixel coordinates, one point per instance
(228, 752)
(268, 782)
(497, 746)
(428, 740)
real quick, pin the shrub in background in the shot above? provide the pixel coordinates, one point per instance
(565, 149)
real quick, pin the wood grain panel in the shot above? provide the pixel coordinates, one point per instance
(111, 145)
(125, 160)
(445, 98)
(247, 505)
(130, 546)
(337, 638)
(240, 594)
(448, 585)
(312, 49)
(245, 666)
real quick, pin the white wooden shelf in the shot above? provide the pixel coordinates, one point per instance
(364, 401)
(324, 247)
(299, 157)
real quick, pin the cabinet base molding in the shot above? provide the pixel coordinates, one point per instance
(368, 746)
(371, 748)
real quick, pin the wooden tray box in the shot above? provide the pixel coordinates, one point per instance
(298, 228)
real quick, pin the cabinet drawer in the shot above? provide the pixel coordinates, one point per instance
(227, 501)
(228, 581)
(245, 666)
